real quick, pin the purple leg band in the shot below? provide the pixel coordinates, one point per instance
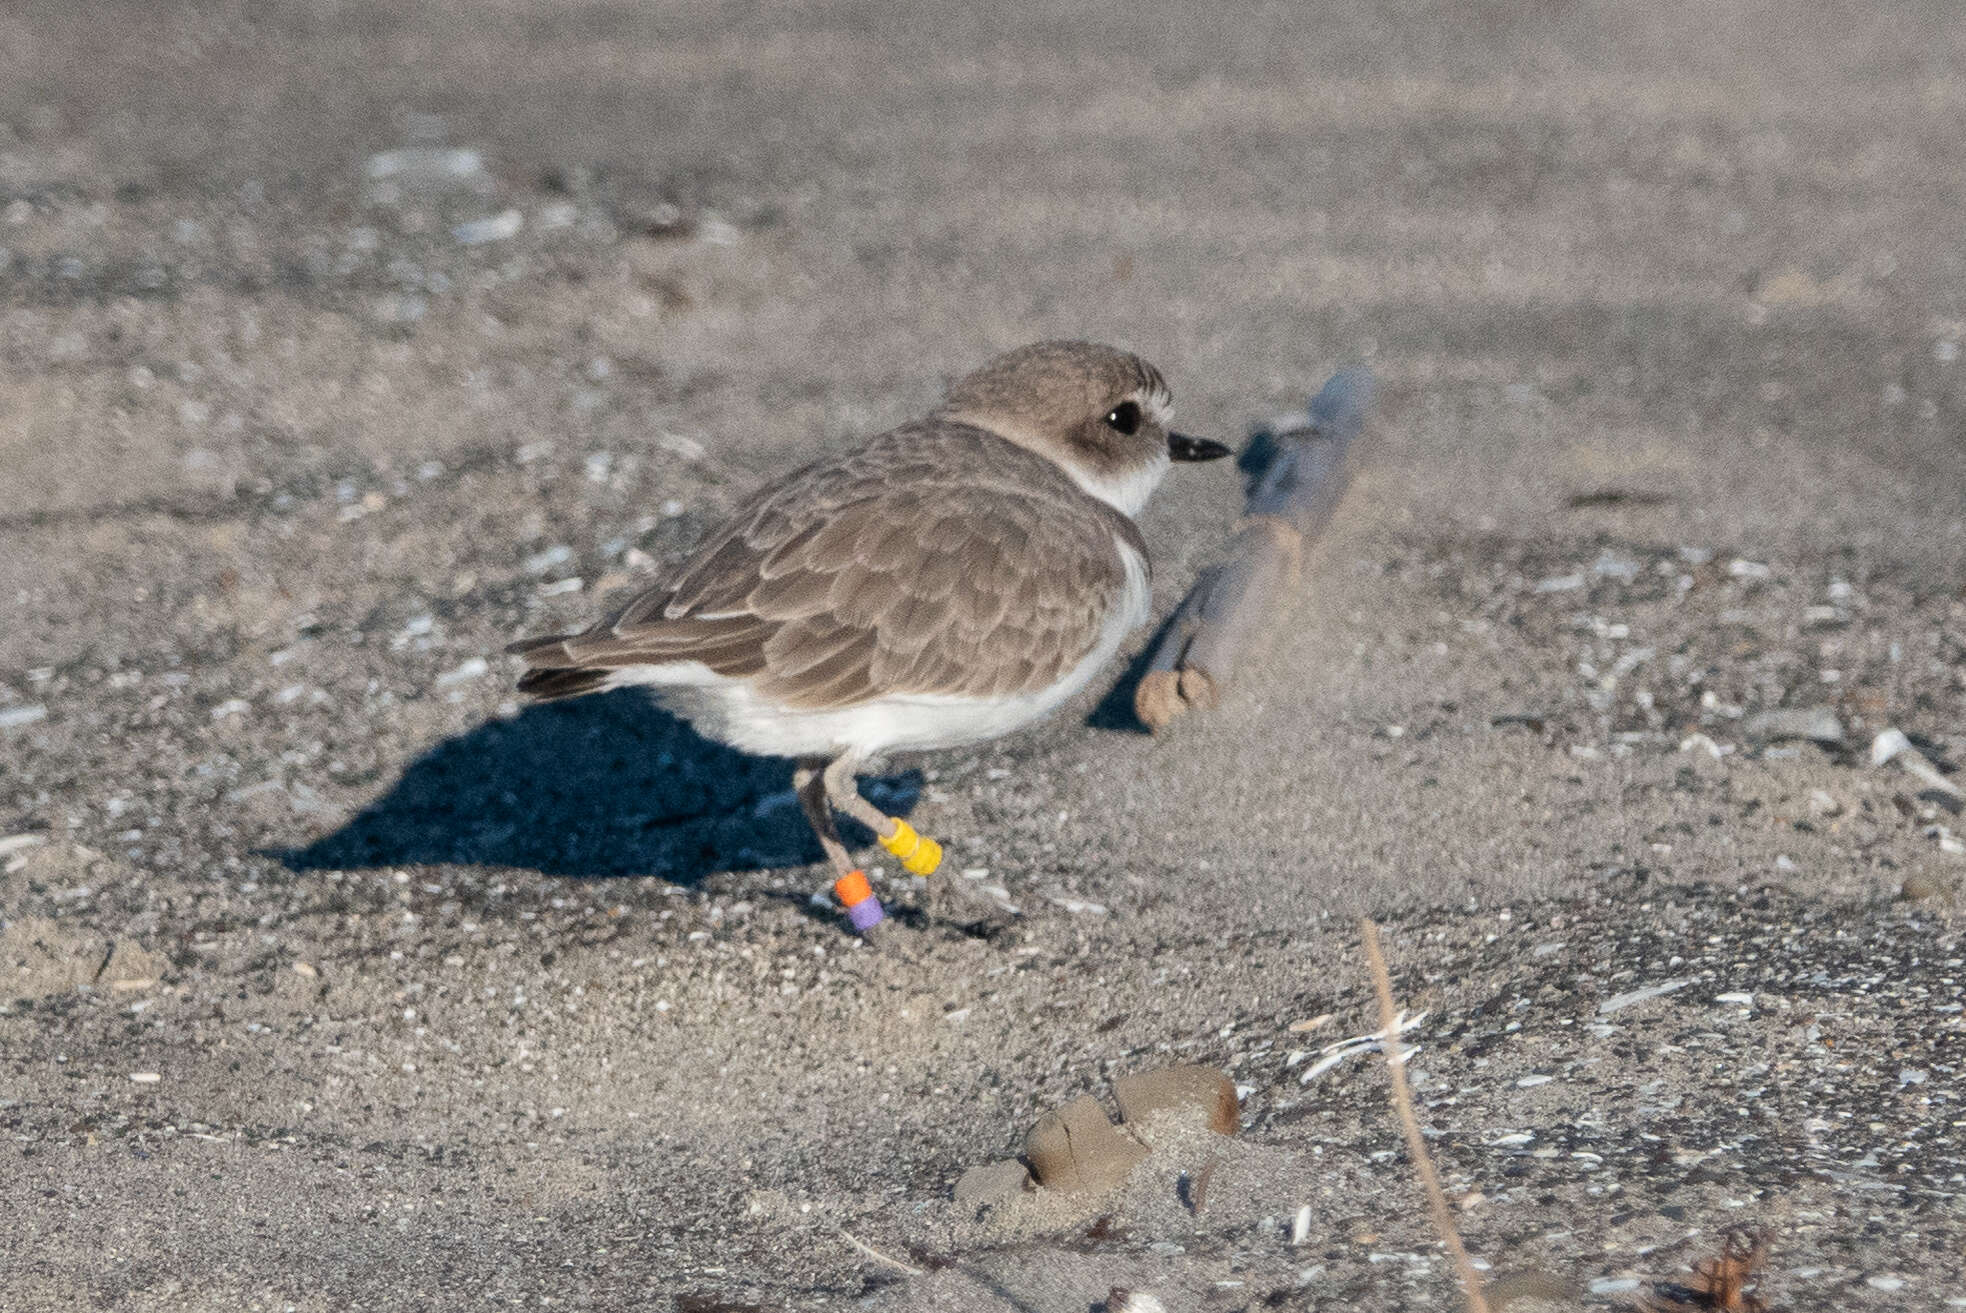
(866, 914)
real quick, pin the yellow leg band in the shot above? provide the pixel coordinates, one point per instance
(917, 853)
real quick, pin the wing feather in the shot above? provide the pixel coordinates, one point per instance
(937, 560)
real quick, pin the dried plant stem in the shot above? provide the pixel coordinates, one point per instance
(1416, 1145)
(876, 1254)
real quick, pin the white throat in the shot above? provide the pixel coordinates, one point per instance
(1126, 492)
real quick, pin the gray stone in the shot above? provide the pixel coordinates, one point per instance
(1817, 724)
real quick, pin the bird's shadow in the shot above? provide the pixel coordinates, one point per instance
(1114, 712)
(595, 786)
(611, 784)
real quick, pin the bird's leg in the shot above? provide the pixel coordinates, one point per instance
(917, 853)
(850, 885)
(809, 782)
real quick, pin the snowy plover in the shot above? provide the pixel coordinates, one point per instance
(947, 582)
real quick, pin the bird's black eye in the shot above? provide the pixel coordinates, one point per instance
(1125, 417)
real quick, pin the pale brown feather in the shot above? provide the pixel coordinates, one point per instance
(889, 569)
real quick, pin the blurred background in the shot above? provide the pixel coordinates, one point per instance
(345, 236)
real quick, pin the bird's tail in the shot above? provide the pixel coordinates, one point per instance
(550, 679)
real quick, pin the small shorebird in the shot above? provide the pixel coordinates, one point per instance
(947, 582)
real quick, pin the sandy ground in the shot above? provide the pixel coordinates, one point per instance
(332, 979)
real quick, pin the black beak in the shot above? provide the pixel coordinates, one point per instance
(1182, 447)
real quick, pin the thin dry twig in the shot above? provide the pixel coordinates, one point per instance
(876, 1254)
(1416, 1145)
(1726, 1283)
(1198, 1187)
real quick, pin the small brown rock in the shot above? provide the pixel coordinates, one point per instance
(1198, 1092)
(1076, 1148)
(1529, 1290)
(1919, 887)
(992, 1183)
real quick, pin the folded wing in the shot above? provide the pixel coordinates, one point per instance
(874, 576)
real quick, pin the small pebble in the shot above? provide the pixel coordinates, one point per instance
(1619, 1002)
(1893, 745)
(245, 792)
(1917, 888)
(1610, 565)
(1816, 724)
(541, 562)
(499, 227)
(15, 717)
(1702, 743)
(470, 669)
(1613, 1285)
(424, 166)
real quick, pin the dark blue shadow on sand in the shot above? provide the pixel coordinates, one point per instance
(1114, 712)
(596, 786)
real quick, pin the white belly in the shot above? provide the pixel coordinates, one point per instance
(731, 711)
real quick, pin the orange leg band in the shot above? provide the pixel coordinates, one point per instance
(857, 896)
